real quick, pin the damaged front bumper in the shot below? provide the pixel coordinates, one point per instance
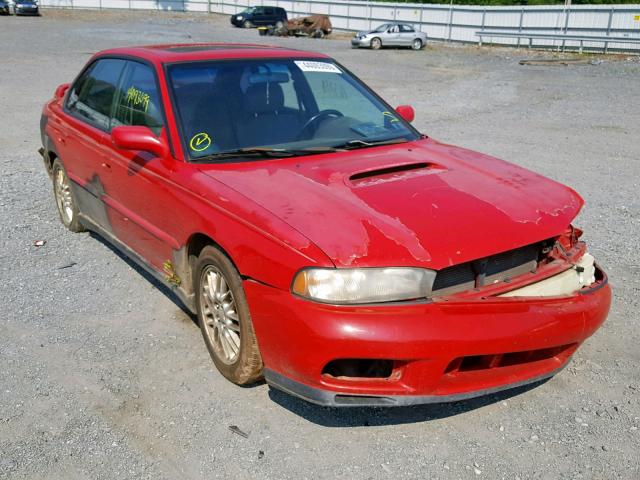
(436, 351)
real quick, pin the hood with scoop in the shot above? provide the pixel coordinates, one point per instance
(420, 203)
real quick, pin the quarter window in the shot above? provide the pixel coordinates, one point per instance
(138, 100)
(91, 97)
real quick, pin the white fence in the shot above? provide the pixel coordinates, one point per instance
(442, 22)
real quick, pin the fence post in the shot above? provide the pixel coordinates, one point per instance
(450, 21)
(566, 24)
(606, 44)
(520, 26)
(484, 14)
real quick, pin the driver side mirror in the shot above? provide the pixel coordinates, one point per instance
(140, 138)
(406, 112)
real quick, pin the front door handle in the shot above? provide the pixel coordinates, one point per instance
(106, 166)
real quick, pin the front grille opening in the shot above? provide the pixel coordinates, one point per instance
(482, 362)
(501, 267)
(358, 368)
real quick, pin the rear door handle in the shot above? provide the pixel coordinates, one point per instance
(106, 166)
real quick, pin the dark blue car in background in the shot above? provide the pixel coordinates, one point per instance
(258, 16)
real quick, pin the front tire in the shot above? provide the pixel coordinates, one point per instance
(247, 24)
(65, 200)
(224, 318)
(376, 43)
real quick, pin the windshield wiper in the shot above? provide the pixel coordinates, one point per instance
(259, 152)
(353, 144)
(264, 153)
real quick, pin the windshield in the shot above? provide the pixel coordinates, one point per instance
(284, 104)
(248, 10)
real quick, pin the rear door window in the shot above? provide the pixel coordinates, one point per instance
(91, 97)
(138, 100)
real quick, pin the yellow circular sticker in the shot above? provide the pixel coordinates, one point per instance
(200, 142)
(392, 117)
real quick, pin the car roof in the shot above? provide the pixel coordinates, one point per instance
(170, 53)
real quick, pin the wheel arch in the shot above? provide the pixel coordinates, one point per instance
(186, 258)
(49, 154)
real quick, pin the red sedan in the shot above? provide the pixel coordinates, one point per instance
(323, 243)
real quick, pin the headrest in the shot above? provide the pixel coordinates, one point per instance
(266, 97)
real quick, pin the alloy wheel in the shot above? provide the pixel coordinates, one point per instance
(220, 315)
(64, 198)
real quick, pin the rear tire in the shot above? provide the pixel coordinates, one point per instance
(279, 24)
(65, 199)
(376, 43)
(416, 44)
(224, 318)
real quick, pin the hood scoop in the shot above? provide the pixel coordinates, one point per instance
(393, 173)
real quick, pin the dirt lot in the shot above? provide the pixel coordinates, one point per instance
(103, 376)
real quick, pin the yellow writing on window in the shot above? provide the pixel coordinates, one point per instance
(138, 98)
(391, 116)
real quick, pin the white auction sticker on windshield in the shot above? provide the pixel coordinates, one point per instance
(324, 67)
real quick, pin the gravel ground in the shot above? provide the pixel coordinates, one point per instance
(102, 375)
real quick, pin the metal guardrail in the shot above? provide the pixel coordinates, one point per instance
(450, 23)
(559, 37)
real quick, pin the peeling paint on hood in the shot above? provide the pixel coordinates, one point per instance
(461, 206)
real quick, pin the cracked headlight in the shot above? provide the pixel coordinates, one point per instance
(363, 285)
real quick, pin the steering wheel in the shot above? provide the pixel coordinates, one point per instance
(317, 119)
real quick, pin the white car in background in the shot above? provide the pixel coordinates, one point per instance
(391, 35)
